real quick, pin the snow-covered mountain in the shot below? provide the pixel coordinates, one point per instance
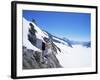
(41, 49)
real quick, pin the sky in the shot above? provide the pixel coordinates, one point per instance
(71, 25)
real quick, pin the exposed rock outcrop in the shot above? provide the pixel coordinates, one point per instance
(36, 60)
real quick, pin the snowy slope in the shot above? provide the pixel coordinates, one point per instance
(78, 56)
(63, 42)
(26, 42)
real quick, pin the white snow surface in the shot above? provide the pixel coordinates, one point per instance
(75, 57)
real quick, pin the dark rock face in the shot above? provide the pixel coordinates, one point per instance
(29, 61)
(36, 60)
(31, 35)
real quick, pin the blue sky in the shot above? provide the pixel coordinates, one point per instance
(74, 26)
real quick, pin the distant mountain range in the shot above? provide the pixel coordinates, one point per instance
(68, 42)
